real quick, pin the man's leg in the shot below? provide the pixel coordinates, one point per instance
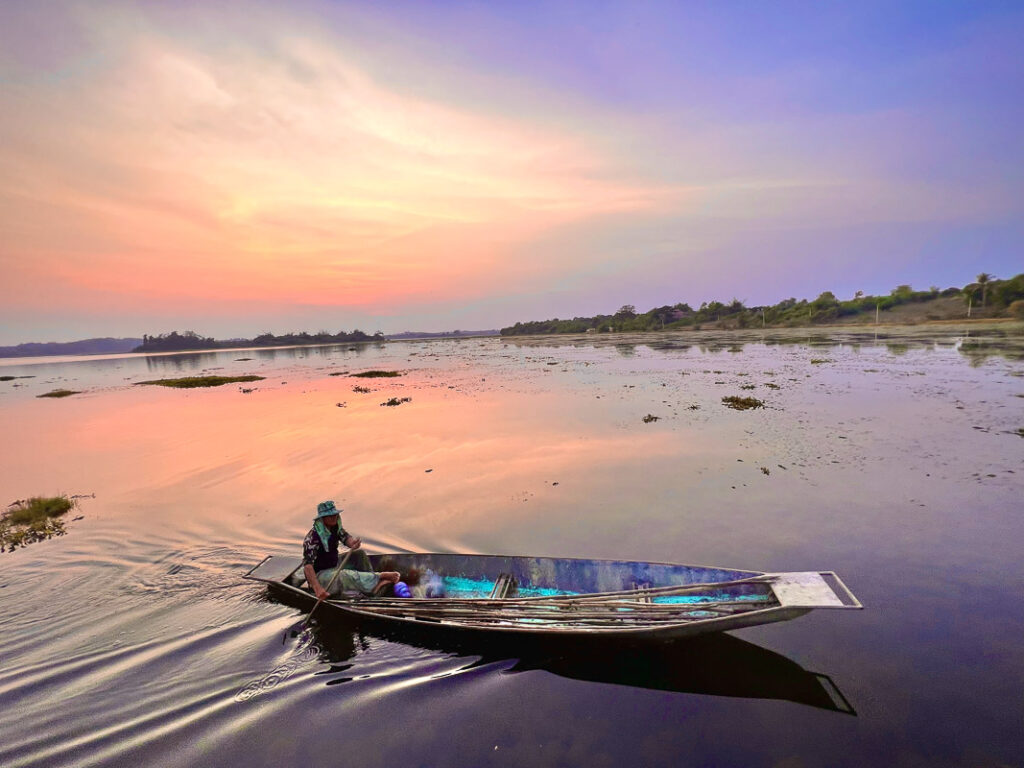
(359, 561)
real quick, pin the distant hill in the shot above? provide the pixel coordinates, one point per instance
(104, 346)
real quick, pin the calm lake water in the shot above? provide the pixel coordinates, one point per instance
(894, 461)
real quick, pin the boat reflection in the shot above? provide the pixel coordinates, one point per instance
(710, 665)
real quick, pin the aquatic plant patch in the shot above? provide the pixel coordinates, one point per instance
(397, 401)
(60, 393)
(34, 519)
(12, 378)
(742, 403)
(650, 417)
(377, 374)
(191, 382)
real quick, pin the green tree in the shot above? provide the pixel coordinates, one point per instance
(983, 280)
(826, 299)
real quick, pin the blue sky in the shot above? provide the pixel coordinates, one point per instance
(258, 166)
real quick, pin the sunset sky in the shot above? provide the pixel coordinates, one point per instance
(240, 167)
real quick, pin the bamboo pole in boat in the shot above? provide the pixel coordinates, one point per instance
(556, 615)
(570, 623)
(544, 612)
(667, 591)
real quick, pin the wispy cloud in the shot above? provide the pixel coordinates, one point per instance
(289, 174)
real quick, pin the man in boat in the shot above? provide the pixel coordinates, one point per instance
(320, 558)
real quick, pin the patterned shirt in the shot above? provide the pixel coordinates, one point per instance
(313, 551)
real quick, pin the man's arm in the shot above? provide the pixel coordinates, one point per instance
(311, 547)
(311, 579)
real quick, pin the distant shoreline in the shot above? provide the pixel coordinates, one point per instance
(13, 360)
(987, 299)
(121, 346)
(985, 323)
(973, 323)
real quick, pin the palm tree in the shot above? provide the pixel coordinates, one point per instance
(983, 279)
(969, 293)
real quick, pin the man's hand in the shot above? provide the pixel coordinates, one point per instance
(321, 593)
(354, 542)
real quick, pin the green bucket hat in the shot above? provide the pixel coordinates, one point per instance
(326, 509)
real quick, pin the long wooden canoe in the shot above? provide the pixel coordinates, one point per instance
(575, 597)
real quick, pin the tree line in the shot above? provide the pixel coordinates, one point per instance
(189, 340)
(986, 293)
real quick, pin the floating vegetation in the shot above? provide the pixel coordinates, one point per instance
(60, 393)
(742, 403)
(361, 390)
(397, 401)
(1020, 432)
(820, 360)
(770, 385)
(190, 382)
(31, 520)
(12, 378)
(693, 407)
(377, 374)
(765, 471)
(748, 386)
(338, 373)
(650, 417)
(242, 359)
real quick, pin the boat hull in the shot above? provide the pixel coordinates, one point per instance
(553, 596)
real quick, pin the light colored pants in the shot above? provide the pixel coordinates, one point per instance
(348, 581)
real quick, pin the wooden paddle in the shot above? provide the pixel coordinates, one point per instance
(328, 587)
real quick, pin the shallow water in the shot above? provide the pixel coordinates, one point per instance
(891, 460)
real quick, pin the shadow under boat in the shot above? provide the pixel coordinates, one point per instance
(716, 664)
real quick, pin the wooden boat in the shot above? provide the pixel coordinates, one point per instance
(575, 597)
